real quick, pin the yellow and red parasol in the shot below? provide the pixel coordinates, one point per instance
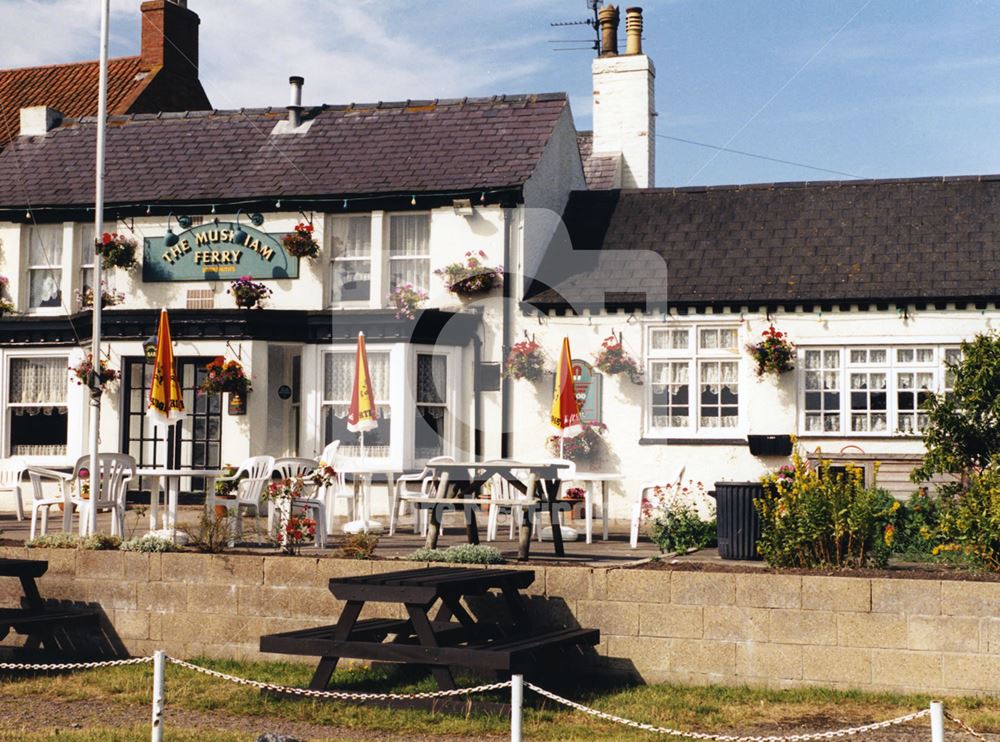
(362, 415)
(565, 410)
(166, 404)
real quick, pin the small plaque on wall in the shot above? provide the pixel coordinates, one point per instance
(489, 377)
(238, 403)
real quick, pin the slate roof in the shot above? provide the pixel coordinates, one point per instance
(411, 147)
(600, 171)
(796, 243)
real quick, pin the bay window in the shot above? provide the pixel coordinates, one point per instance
(37, 406)
(338, 382)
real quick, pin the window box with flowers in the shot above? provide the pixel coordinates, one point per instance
(117, 251)
(6, 305)
(85, 297)
(300, 242)
(774, 353)
(248, 293)
(406, 300)
(472, 277)
(614, 359)
(584, 446)
(82, 371)
(525, 361)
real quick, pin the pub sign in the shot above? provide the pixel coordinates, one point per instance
(217, 251)
(587, 384)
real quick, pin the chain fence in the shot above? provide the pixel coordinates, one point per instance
(353, 696)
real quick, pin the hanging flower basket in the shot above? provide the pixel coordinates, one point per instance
(6, 305)
(471, 277)
(85, 297)
(525, 361)
(773, 354)
(300, 243)
(248, 293)
(613, 359)
(406, 300)
(581, 447)
(116, 251)
(81, 372)
(225, 376)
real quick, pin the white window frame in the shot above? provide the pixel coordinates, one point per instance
(892, 366)
(374, 261)
(64, 265)
(73, 404)
(81, 268)
(452, 399)
(695, 356)
(388, 259)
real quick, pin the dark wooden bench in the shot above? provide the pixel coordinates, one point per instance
(451, 638)
(42, 625)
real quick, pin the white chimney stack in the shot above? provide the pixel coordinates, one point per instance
(37, 121)
(625, 105)
(295, 105)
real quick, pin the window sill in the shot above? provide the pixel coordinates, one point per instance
(645, 441)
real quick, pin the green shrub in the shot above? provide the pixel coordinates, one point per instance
(211, 535)
(100, 542)
(677, 527)
(970, 519)
(459, 554)
(54, 541)
(917, 527)
(149, 543)
(810, 517)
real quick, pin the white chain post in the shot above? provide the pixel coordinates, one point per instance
(937, 721)
(516, 706)
(159, 667)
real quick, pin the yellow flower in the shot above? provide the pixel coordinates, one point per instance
(895, 506)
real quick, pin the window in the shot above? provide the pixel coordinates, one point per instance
(36, 406)
(351, 262)
(871, 391)
(86, 253)
(44, 266)
(409, 251)
(431, 399)
(338, 382)
(706, 355)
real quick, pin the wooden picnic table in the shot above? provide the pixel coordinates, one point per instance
(451, 637)
(34, 619)
(459, 483)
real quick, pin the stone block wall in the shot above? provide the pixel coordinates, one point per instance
(919, 635)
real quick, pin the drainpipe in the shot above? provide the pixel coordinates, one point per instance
(506, 402)
(477, 393)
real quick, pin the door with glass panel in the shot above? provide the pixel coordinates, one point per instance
(193, 443)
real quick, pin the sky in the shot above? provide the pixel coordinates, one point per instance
(867, 88)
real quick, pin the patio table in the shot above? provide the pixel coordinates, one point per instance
(363, 471)
(170, 480)
(460, 482)
(590, 478)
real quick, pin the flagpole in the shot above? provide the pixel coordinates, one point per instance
(95, 346)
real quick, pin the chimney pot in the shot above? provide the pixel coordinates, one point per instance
(633, 30)
(608, 18)
(295, 103)
(37, 121)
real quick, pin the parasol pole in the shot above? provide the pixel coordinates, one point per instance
(95, 345)
(366, 485)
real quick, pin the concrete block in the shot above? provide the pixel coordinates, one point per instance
(943, 633)
(161, 597)
(100, 565)
(213, 569)
(769, 661)
(216, 599)
(641, 653)
(702, 657)
(639, 585)
(913, 597)
(989, 635)
(618, 619)
(131, 624)
(676, 621)
(836, 594)
(702, 588)
(736, 623)
(329, 568)
(62, 562)
(211, 629)
(970, 672)
(576, 583)
(850, 666)
(803, 627)
(110, 595)
(769, 591)
(291, 602)
(906, 668)
(136, 565)
(881, 630)
(284, 571)
(962, 598)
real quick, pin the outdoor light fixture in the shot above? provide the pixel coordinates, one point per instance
(170, 239)
(184, 221)
(241, 236)
(463, 206)
(256, 218)
(149, 348)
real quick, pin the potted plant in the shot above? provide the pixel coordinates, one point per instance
(525, 361)
(82, 371)
(773, 353)
(225, 376)
(581, 447)
(406, 300)
(116, 251)
(471, 277)
(248, 293)
(6, 305)
(85, 297)
(300, 242)
(613, 359)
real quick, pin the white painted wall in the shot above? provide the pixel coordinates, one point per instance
(625, 115)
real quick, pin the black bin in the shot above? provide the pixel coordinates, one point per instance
(738, 526)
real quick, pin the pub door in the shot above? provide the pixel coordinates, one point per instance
(194, 443)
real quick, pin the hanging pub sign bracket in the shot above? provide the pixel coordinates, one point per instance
(238, 352)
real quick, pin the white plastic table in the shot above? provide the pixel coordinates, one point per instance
(590, 478)
(363, 470)
(170, 479)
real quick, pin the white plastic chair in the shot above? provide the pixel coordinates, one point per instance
(41, 504)
(252, 476)
(641, 497)
(401, 495)
(292, 468)
(11, 472)
(329, 494)
(503, 494)
(115, 471)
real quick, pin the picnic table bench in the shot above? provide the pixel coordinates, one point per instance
(452, 637)
(40, 623)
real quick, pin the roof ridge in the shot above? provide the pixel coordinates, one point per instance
(789, 185)
(67, 64)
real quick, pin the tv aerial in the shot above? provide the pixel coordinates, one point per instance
(594, 6)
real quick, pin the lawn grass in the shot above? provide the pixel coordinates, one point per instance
(709, 708)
